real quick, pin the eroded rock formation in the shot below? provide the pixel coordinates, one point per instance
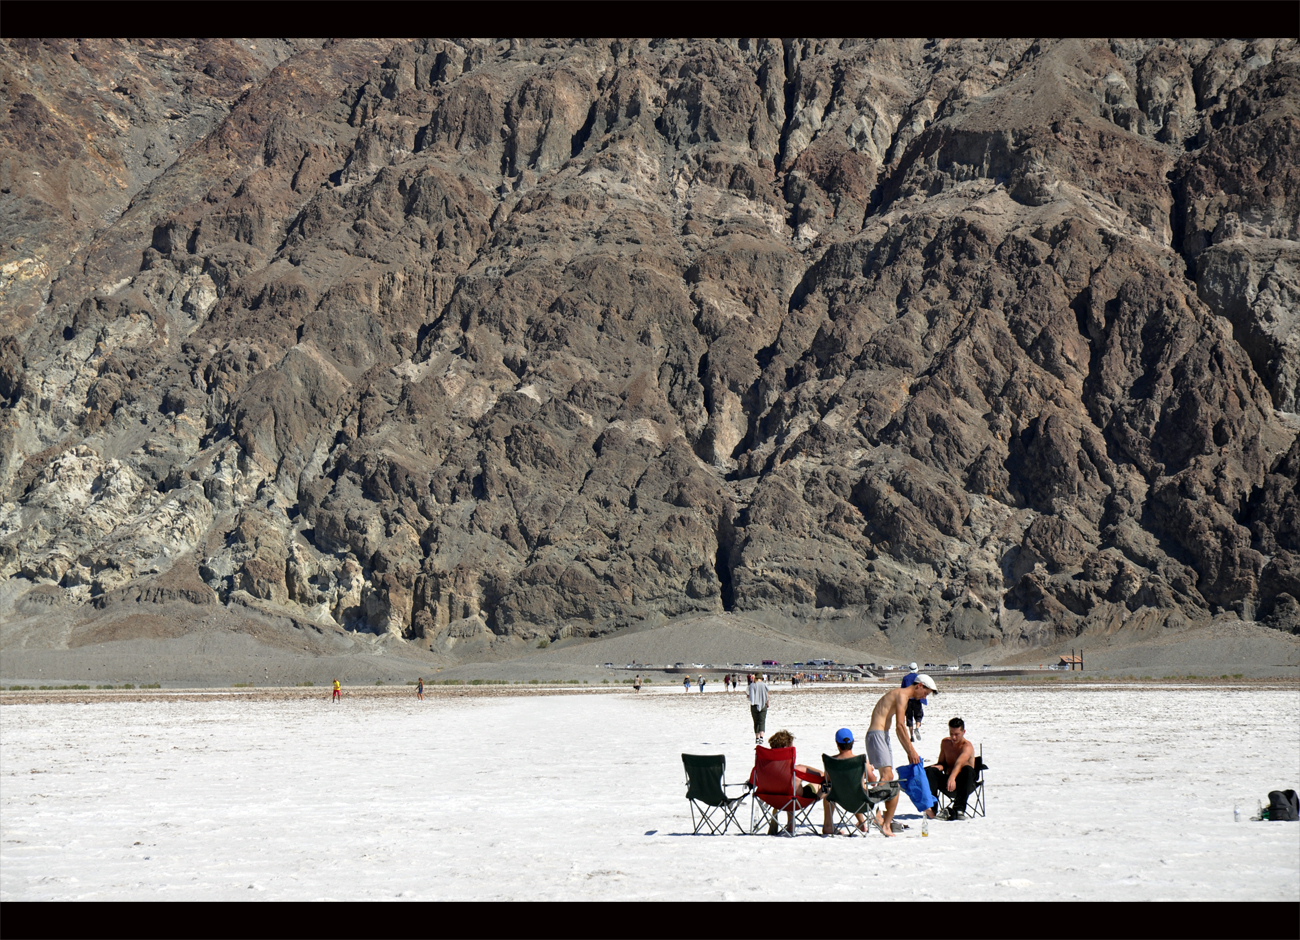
(495, 341)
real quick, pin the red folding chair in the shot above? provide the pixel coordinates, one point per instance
(776, 790)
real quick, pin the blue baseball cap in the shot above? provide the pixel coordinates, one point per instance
(844, 736)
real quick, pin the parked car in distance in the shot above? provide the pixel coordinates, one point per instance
(967, 666)
(986, 666)
(676, 665)
(799, 664)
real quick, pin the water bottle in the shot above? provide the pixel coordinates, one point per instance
(1236, 813)
(925, 827)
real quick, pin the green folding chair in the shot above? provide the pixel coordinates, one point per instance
(711, 807)
(844, 777)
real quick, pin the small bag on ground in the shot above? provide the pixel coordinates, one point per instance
(1282, 804)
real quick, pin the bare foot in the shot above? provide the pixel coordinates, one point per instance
(885, 828)
(930, 812)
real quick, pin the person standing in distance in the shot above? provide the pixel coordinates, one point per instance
(702, 680)
(636, 683)
(419, 689)
(915, 713)
(686, 683)
(758, 707)
(338, 695)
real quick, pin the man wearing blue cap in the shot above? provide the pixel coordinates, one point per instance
(844, 741)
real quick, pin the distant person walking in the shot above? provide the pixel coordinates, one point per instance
(338, 695)
(636, 683)
(702, 681)
(419, 689)
(758, 707)
(915, 711)
(726, 682)
(686, 684)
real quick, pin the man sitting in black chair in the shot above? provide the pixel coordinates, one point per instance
(955, 770)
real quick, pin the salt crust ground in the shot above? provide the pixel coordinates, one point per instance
(1096, 793)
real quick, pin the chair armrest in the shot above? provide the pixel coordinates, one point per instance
(746, 785)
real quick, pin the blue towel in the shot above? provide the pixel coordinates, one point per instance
(911, 777)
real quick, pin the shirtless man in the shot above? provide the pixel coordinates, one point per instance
(892, 707)
(957, 764)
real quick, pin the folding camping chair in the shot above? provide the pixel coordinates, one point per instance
(776, 790)
(707, 793)
(975, 799)
(845, 776)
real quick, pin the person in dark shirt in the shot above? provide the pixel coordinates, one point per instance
(915, 708)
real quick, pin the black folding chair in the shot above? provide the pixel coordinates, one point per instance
(975, 805)
(707, 793)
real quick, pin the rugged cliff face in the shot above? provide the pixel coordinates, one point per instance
(495, 341)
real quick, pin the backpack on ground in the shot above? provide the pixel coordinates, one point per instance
(1282, 804)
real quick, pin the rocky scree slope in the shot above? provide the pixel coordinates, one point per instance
(482, 342)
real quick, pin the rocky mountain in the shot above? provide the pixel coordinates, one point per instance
(482, 342)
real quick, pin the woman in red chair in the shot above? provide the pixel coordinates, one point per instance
(811, 790)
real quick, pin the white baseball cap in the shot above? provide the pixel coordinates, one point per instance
(926, 681)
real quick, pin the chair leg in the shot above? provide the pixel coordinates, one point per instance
(871, 819)
(729, 816)
(803, 816)
(706, 818)
(840, 818)
(773, 813)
